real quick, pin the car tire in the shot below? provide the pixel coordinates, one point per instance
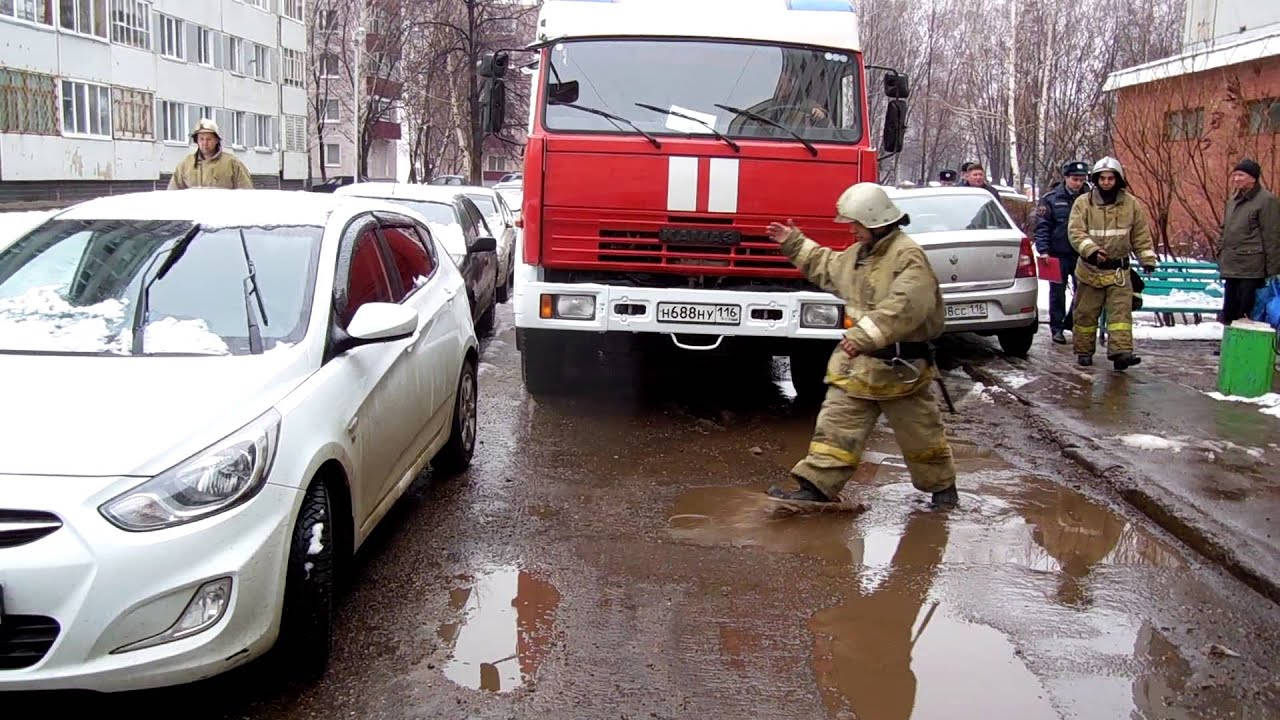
(306, 621)
(809, 374)
(455, 456)
(1017, 342)
(542, 364)
(504, 291)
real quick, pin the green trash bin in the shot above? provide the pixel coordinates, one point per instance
(1248, 361)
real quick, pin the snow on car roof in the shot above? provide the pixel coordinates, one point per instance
(895, 192)
(408, 191)
(213, 207)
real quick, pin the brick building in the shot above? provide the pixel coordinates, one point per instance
(1182, 123)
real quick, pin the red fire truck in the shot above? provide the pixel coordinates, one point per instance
(664, 136)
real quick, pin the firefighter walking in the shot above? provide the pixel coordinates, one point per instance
(884, 364)
(1107, 226)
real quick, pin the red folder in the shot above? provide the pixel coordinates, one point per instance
(1048, 268)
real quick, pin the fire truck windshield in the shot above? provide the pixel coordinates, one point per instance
(813, 93)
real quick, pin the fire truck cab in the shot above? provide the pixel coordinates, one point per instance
(664, 136)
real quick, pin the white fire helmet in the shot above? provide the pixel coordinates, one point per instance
(868, 205)
(1108, 164)
(206, 125)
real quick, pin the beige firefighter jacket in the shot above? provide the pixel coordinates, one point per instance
(1119, 230)
(891, 295)
(220, 171)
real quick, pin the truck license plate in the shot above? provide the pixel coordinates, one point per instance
(966, 311)
(700, 314)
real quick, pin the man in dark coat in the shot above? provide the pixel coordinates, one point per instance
(1052, 213)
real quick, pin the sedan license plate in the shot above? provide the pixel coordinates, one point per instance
(700, 314)
(965, 311)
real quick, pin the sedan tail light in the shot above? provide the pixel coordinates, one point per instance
(1026, 261)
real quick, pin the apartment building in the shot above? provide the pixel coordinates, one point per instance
(99, 96)
(340, 116)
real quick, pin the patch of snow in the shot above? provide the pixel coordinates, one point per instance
(1203, 331)
(280, 347)
(1016, 379)
(450, 236)
(41, 320)
(306, 567)
(1268, 404)
(171, 335)
(1151, 442)
(316, 546)
(1182, 299)
(14, 225)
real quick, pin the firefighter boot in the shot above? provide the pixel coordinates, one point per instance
(1084, 360)
(1124, 361)
(948, 498)
(808, 492)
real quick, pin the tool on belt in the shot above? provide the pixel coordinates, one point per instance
(900, 355)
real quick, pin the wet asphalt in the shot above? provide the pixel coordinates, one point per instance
(610, 554)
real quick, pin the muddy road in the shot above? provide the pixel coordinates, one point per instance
(611, 555)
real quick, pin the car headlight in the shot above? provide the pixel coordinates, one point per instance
(216, 479)
(819, 315)
(576, 307)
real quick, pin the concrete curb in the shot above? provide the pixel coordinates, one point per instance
(1178, 517)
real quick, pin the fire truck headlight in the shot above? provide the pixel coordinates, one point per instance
(814, 315)
(576, 307)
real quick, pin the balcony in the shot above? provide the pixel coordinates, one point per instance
(384, 130)
(383, 87)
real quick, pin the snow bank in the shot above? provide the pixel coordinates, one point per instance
(1268, 404)
(1203, 331)
(1151, 442)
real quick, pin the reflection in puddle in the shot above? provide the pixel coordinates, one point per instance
(504, 630)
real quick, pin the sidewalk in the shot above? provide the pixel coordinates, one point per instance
(1206, 470)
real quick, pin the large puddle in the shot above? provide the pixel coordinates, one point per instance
(937, 611)
(504, 619)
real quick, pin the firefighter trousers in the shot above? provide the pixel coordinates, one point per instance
(1090, 300)
(844, 424)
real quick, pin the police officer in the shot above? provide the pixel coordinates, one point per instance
(884, 363)
(1052, 213)
(1107, 226)
(947, 178)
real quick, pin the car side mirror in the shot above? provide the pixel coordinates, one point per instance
(895, 126)
(483, 244)
(378, 322)
(561, 93)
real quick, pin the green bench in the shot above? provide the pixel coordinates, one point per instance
(1187, 276)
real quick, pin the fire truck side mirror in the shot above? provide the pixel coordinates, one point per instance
(493, 65)
(895, 126)
(897, 86)
(493, 105)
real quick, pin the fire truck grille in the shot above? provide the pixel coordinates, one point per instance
(637, 247)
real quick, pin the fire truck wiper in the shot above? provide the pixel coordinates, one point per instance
(760, 118)
(616, 118)
(700, 121)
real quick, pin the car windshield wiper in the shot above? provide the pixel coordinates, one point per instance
(700, 121)
(251, 290)
(760, 118)
(616, 118)
(143, 311)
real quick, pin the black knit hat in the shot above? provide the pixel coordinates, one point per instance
(1251, 167)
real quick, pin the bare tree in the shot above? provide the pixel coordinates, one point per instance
(328, 26)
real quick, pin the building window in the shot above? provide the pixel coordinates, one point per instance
(293, 68)
(1184, 124)
(131, 23)
(30, 10)
(332, 113)
(173, 116)
(235, 55)
(171, 41)
(327, 20)
(88, 17)
(496, 163)
(204, 46)
(329, 65)
(261, 62)
(86, 109)
(332, 155)
(292, 9)
(237, 129)
(257, 3)
(133, 117)
(1263, 116)
(28, 103)
(295, 133)
(265, 138)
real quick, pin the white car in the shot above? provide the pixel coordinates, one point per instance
(212, 398)
(984, 263)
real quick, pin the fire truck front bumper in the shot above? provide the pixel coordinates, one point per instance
(595, 308)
